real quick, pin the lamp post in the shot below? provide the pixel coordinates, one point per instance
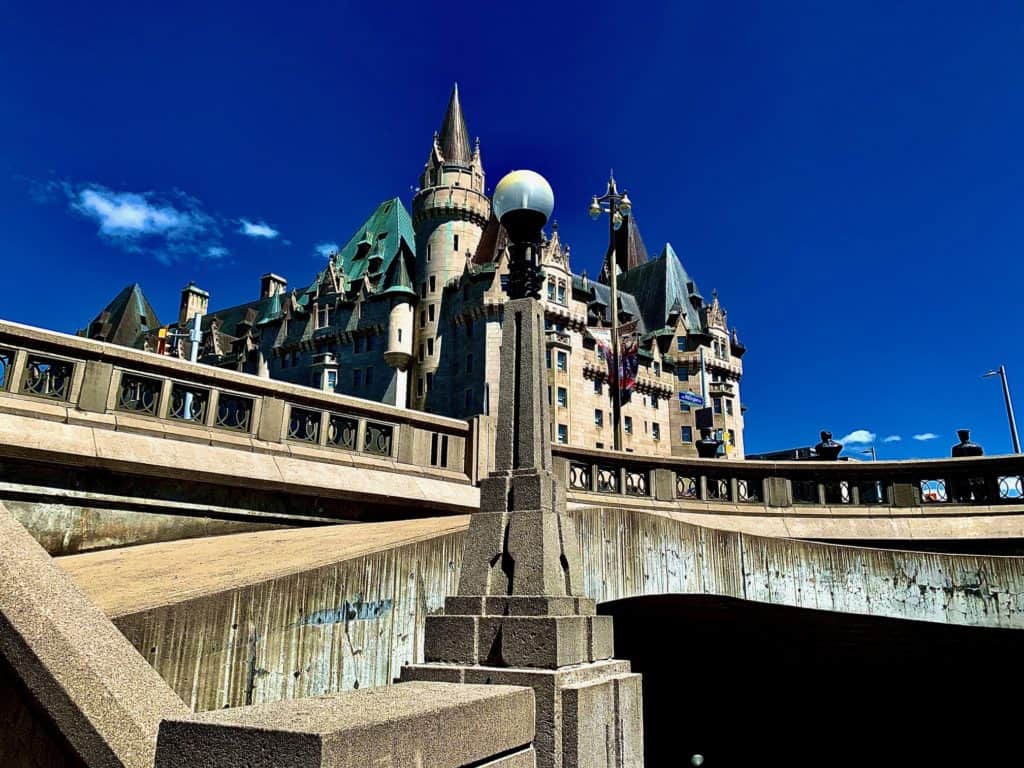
(1001, 373)
(618, 207)
(870, 452)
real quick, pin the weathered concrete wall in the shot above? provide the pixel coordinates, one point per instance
(224, 639)
(349, 625)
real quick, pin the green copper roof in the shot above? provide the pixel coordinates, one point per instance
(372, 249)
(124, 319)
(662, 287)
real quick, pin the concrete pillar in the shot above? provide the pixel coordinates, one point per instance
(95, 386)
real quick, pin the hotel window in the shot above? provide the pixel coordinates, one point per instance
(684, 407)
(422, 353)
(428, 251)
(563, 433)
(563, 397)
(686, 434)
(469, 363)
(430, 312)
(548, 358)
(732, 438)
(599, 446)
(419, 387)
(563, 361)
(654, 402)
(657, 369)
(433, 283)
(423, 290)
(332, 379)
(598, 387)
(728, 406)
(323, 315)
(599, 417)
(399, 335)
(357, 378)
(717, 402)
(456, 244)
(423, 319)
(430, 347)
(627, 425)
(561, 291)
(551, 289)
(681, 344)
(656, 430)
(682, 374)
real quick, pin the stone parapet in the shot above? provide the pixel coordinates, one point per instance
(426, 725)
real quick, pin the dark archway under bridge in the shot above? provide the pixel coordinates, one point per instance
(752, 684)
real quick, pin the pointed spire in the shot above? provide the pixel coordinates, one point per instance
(454, 138)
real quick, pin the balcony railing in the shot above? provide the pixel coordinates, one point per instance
(983, 481)
(144, 390)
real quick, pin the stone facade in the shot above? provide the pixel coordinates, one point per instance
(409, 313)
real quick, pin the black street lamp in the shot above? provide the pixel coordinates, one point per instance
(618, 207)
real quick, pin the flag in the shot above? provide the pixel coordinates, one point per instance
(629, 364)
(603, 340)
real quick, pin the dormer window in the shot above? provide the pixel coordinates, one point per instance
(323, 315)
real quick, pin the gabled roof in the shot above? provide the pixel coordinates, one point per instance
(454, 138)
(602, 294)
(124, 319)
(662, 287)
(371, 251)
(493, 241)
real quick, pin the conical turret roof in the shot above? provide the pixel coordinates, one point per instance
(454, 138)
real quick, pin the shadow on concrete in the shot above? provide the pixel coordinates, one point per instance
(748, 684)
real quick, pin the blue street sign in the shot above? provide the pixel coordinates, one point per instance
(690, 398)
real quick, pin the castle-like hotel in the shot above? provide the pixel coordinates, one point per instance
(408, 313)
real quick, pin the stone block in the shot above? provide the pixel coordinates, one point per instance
(533, 641)
(534, 544)
(906, 495)
(428, 725)
(600, 638)
(95, 386)
(780, 494)
(452, 639)
(271, 424)
(482, 562)
(469, 605)
(530, 605)
(664, 485)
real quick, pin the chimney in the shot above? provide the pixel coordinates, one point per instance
(193, 299)
(271, 285)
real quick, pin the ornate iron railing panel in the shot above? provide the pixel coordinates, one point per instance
(687, 487)
(304, 425)
(717, 488)
(872, 492)
(342, 431)
(749, 490)
(805, 491)
(233, 412)
(378, 438)
(636, 483)
(579, 476)
(139, 394)
(607, 479)
(838, 492)
(933, 491)
(1011, 487)
(46, 377)
(6, 364)
(189, 403)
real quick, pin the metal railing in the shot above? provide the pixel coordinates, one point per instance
(990, 480)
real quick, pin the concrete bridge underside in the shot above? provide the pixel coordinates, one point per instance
(281, 614)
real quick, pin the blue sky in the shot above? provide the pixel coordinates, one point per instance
(850, 177)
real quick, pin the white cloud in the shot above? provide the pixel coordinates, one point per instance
(215, 252)
(132, 215)
(861, 436)
(258, 229)
(892, 439)
(325, 249)
(926, 436)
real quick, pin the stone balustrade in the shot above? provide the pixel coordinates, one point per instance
(984, 481)
(66, 378)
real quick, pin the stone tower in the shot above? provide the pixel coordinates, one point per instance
(449, 213)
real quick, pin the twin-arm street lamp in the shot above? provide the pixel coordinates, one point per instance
(618, 207)
(1001, 373)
